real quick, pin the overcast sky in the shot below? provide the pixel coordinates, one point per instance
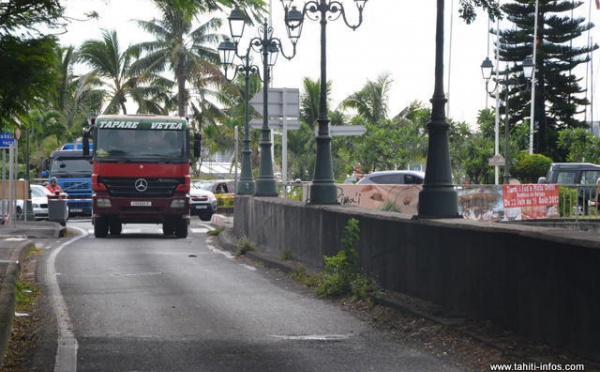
(396, 37)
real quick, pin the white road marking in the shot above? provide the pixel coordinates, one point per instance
(313, 337)
(66, 353)
(194, 230)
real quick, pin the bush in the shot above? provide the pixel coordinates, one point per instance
(340, 272)
(225, 200)
(528, 168)
(567, 201)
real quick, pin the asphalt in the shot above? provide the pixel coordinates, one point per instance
(15, 241)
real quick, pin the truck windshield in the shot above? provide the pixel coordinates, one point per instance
(71, 168)
(121, 144)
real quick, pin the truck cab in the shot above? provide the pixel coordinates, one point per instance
(73, 172)
(141, 168)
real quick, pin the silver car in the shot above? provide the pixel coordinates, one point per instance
(203, 203)
(394, 177)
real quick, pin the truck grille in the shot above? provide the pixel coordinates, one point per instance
(126, 187)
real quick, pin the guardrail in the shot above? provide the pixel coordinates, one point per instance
(477, 202)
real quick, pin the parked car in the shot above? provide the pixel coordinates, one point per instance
(39, 202)
(203, 203)
(582, 176)
(217, 186)
(394, 177)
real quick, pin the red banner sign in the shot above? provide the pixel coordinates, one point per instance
(529, 195)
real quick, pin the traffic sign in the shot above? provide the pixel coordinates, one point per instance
(344, 130)
(6, 140)
(282, 103)
(497, 161)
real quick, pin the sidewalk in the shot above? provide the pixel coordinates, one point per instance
(14, 241)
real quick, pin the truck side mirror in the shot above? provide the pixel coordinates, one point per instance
(542, 180)
(86, 143)
(197, 144)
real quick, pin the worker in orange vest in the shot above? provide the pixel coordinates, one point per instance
(54, 187)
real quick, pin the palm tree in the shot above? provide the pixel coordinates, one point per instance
(371, 102)
(188, 53)
(113, 66)
(75, 95)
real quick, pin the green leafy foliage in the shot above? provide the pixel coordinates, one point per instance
(567, 201)
(27, 74)
(244, 245)
(340, 274)
(559, 95)
(580, 145)
(529, 168)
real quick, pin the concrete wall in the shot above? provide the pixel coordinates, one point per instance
(540, 282)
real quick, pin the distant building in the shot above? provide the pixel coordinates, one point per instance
(219, 165)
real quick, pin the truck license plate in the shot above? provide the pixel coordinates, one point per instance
(141, 204)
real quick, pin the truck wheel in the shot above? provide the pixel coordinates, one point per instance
(100, 228)
(115, 227)
(181, 228)
(168, 228)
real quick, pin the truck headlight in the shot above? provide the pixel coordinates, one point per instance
(103, 203)
(178, 203)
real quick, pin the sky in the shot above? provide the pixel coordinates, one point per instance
(396, 37)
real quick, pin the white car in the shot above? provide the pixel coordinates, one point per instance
(39, 203)
(203, 203)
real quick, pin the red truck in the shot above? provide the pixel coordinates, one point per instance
(141, 172)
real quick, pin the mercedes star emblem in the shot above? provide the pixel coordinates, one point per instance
(141, 185)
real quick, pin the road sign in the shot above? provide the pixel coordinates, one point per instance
(283, 102)
(276, 123)
(6, 140)
(497, 161)
(344, 130)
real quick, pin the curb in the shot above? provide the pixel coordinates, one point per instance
(228, 241)
(12, 270)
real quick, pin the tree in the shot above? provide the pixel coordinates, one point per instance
(112, 64)
(529, 168)
(580, 145)
(559, 97)
(188, 53)
(372, 101)
(205, 6)
(467, 9)
(26, 56)
(75, 96)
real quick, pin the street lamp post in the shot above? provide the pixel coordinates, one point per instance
(269, 48)
(438, 198)
(322, 189)
(529, 72)
(487, 70)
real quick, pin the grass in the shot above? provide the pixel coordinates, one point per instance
(244, 246)
(215, 232)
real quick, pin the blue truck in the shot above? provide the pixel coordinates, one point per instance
(73, 172)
